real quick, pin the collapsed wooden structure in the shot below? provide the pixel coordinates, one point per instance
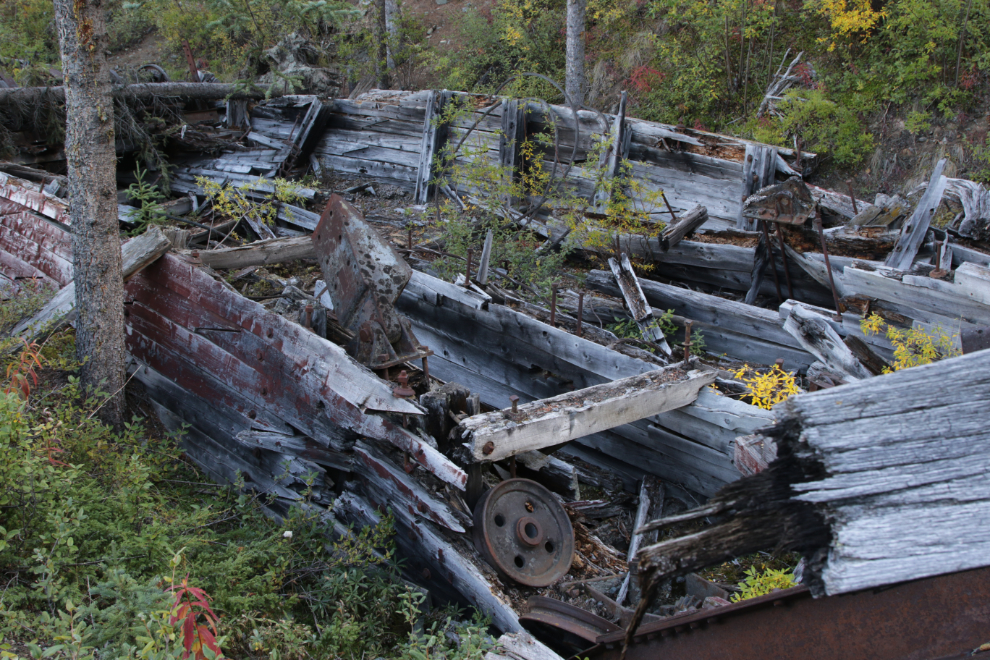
(268, 400)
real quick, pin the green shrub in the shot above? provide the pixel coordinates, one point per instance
(826, 127)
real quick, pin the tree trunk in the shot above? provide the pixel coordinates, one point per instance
(391, 32)
(575, 82)
(381, 38)
(89, 151)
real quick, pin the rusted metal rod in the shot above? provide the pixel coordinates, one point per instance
(580, 312)
(687, 344)
(783, 258)
(828, 265)
(773, 265)
(852, 196)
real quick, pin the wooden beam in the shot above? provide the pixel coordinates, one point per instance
(684, 225)
(641, 311)
(916, 226)
(818, 337)
(259, 253)
(548, 422)
(435, 133)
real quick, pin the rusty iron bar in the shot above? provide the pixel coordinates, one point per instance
(852, 196)
(773, 263)
(467, 281)
(409, 242)
(783, 259)
(938, 255)
(512, 467)
(514, 400)
(553, 305)
(828, 266)
(687, 344)
(308, 317)
(580, 312)
(673, 217)
(426, 365)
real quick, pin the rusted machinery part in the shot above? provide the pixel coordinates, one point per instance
(938, 617)
(569, 627)
(162, 75)
(524, 533)
(789, 203)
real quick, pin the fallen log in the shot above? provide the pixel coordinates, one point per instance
(818, 337)
(33, 96)
(259, 253)
(684, 225)
(547, 422)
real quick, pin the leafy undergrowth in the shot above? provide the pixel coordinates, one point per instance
(112, 546)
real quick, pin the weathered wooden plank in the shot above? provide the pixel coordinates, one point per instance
(295, 445)
(521, 646)
(136, 254)
(435, 291)
(821, 340)
(33, 196)
(632, 293)
(683, 226)
(548, 422)
(435, 133)
(916, 226)
(259, 253)
(405, 490)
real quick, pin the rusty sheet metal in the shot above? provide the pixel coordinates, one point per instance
(365, 276)
(417, 500)
(30, 195)
(938, 617)
(567, 625)
(788, 203)
(214, 342)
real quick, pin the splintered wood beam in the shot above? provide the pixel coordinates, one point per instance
(547, 422)
(818, 337)
(632, 292)
(34, 197)
(136, 253)
(916, 226)
(298, 446)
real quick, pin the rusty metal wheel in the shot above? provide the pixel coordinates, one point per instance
(524, 533)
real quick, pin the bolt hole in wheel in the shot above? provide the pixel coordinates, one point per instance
(548, 546)
(531, 530)
(499, 519)
(519, 561)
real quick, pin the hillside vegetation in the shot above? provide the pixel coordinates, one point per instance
(875, 78)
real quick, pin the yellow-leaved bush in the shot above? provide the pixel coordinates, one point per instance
(912, 346)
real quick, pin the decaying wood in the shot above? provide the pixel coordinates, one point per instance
(642, 313)
(136, 254)
(684, 225)
(144, 92)
(874, 485)
(521, 646)
(818, 338)
(260, 253)
(548, 422)
(916, 226)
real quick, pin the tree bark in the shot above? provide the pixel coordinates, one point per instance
(91, 159)
(575, 81)
(381, 37)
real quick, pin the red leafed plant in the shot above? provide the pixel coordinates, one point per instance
(22, 368)
(643, 78)
(190, 604)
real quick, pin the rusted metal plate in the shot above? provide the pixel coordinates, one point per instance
(939, 617)
(566, 625)
(788, 203)
(524, 533)
(365, 276)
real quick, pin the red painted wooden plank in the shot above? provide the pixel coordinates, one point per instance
(27, 250)
(40, 230)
